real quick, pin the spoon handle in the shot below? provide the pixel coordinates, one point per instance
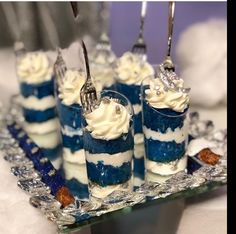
(170, 25)
(143, 14)
(86, 61)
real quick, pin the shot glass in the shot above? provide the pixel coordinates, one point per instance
(70, 117)
(165, 138)
(109, 162)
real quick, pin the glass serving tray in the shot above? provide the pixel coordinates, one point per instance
(200, 177)
(210, 186)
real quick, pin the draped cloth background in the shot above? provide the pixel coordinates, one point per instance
(43, 25)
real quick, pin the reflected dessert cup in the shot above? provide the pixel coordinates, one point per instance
(130, 71)
(76, 179)
(108, 145)
(102, 70)
(70, 114)
(35, 74)
(165, 128)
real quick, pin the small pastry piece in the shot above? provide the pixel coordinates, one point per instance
(207, 156)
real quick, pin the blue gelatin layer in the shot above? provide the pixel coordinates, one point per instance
(162, 151)
(78, 189)
(105, 175)
(52, 154)
(74, 143)
(139, 167)
(38, 90)
(132, 92)
(69, 115)
(158, 121)
(121, 144)
(36, 116)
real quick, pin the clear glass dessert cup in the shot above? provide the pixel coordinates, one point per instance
(70, 117)
(165, 137)
(109, 162)
(40, 116)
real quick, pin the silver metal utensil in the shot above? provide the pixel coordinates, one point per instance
(140, 47)
(168, 63)
(88, 94)
(59, 67)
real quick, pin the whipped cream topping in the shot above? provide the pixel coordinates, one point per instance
(109, 121)
(69, 91)
(158, 97)
(103, 75)
(130, 69)
(34, 68)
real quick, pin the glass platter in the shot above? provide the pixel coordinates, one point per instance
(180, 195)
(200, 177)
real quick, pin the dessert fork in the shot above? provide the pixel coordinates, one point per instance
(60, 67)
(88, 94)
(140, 47)
(167, 69)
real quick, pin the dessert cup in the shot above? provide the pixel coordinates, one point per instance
(109, 159)
(131, 88)
(165, 137)
(70, 113)
(38, 103)
(71, 132)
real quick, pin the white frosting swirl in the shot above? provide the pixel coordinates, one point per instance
(103, 74)
(69, 91)
(109, 121)
(34, 68)
(131, 69)
(158, 97)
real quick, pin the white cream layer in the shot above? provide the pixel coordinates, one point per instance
(166, 168)
(35, 103)
(178, 135)
(49, 140)
(42, 128)
(137, 108)
(102, 192)
(57, 162)
(75, 170)
(151, 177)
(138, 145)
(137, 181)
(76, 157)
(139, 151)
(115, 160)
(69, 131)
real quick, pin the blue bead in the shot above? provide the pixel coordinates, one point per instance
(54, 182)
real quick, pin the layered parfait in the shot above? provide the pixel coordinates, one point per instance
(70, 112)
(165, 126)
(108, 145)
(130, 71)
(35, 75)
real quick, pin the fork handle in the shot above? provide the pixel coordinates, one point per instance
(143, 14)
(170, 25)
(86, 61)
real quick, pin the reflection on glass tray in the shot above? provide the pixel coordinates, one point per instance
(205, 171)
